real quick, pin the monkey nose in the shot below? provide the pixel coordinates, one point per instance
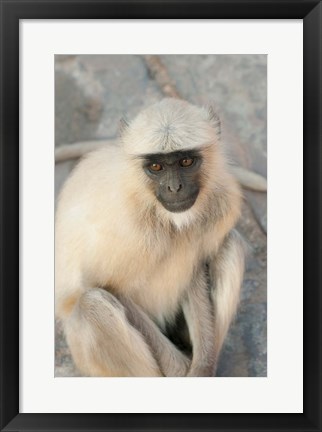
(175, 188)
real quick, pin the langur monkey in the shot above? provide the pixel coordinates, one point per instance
(148, 267)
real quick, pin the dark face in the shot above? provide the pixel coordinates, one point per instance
(175, 178)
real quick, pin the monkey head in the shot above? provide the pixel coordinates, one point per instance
(175, 143)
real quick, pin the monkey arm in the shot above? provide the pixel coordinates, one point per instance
(226, 270)
(209, 314)
(199, 316)
(171, 360)
(103, 342)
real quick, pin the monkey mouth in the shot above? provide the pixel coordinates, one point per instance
(179, 206)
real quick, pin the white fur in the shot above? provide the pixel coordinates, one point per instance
(112, 233)
(168, 126)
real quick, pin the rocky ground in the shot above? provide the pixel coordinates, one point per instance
(92, 93)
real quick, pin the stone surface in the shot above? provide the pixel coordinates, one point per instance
(62, 170)
(126, 87)
(78, 101)
(244, 352)
(93, 92)
(236, 86)
(64, 365)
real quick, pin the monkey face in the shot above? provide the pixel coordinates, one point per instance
(174, 178)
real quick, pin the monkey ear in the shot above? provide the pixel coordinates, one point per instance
(123, 125)
(214, 119)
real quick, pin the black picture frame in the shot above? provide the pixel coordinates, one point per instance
(11, 12)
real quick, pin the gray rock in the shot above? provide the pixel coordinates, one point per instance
(78, 102)
(64, 365)
(126, 88)
(62, 171)
(236, 85)
(258, 203)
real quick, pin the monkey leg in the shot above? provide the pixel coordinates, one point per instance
(103, 342)
(226, 272)
(171, 360)
(199, 315)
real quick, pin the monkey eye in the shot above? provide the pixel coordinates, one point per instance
(155, 167)
(186, 162)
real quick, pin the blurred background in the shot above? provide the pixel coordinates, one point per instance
(92, 94)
